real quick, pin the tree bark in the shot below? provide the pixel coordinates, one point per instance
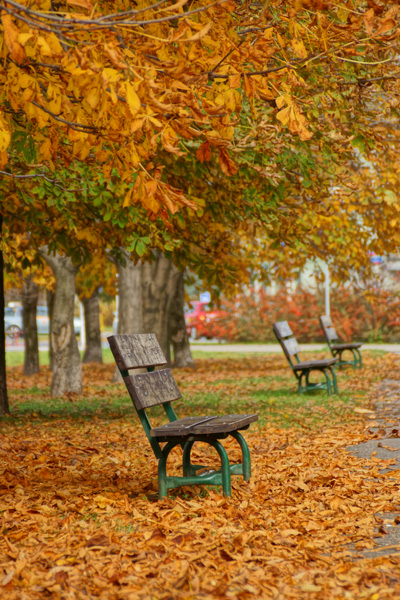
(156, 300)
(130, 297)
(4, 407)
(92, 329)
(177, 325)
(130, 300)
(50, 304)
(67, 373)
(29, 294)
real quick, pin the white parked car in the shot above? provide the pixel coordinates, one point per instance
(13, 320)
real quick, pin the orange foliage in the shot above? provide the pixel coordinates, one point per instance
(80, 517)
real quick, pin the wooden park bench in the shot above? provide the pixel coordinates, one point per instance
(302, 369)
(150, 387)
(338, 349)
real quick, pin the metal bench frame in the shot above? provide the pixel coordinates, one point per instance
(303, 369)
(158, 387)
(338, 349)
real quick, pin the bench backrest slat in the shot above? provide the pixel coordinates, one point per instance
(331, 333)
(291, 346)
(282, 329)
(152, 389)
(132, 351)
(287, 340)
(328, 328)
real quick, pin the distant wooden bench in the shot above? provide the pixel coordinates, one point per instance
(338, 349)
(302, 369)
(158, 387)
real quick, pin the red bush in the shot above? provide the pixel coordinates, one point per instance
(371, 316)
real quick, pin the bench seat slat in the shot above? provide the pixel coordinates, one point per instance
(326, 362)
(348, 346)
(203, 425)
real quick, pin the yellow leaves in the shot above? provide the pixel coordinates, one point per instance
(5, 134)
(81, 3)
(226, 164)
(82, 149)
(369, 20)
(132, 99)
(115, 56)
(23, 38)
(292, 117)
(169, 141)
(54, 44)
(43, 46)
(45, 149)
(11, 33)
(110, 75)
(93, 97)
(200, 34)
(102, 501)
(203, 153)
(230, 99)
(89, 235)
(298, 48)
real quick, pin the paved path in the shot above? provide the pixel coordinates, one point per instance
(214, 346)
(384, 445)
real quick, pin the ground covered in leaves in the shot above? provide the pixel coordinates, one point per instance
(78, 492)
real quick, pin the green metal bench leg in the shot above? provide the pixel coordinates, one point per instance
(186, 465)
(162, 469)
(225, 467)
(299, 378)
(328, 381)
(335, 388)
(245, 455)
(359, 358)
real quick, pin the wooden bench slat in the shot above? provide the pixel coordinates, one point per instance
(283, 329)
(291, 345)
(203, 425)
(348, 346)
(132, 351)
(327, 362)
(331, 333)
(326, 320)
(151, 389)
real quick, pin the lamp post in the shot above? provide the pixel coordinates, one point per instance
(325, 270)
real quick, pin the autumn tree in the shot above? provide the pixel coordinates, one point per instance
(118, 87)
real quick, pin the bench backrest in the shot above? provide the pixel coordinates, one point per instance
(328, 329)
(139, 351)
(288, 342)
(147, 388)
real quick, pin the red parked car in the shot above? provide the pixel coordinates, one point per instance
(199, 320)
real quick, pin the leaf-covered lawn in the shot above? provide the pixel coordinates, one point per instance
(78, 493)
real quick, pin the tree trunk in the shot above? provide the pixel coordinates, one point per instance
(67, 373)
(177, 325)
(4, 407)
(130, 300)
(156, 300)
(50, 304)
(92, 329)
(29, 294)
